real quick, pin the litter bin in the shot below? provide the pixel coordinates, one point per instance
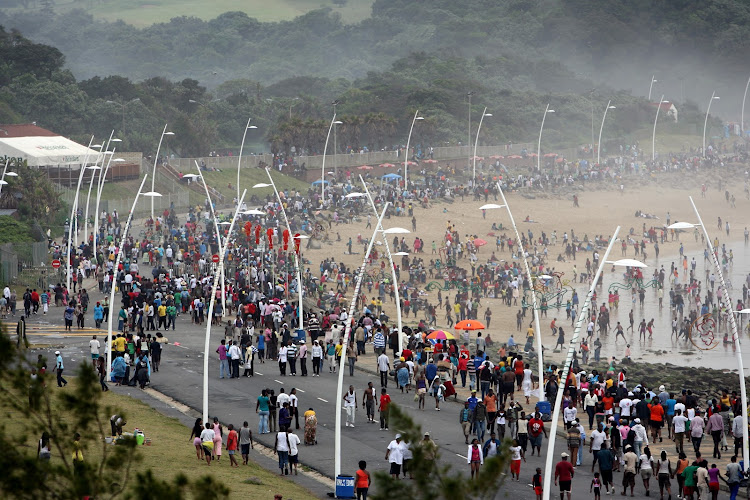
(344, 486)
(300, 335)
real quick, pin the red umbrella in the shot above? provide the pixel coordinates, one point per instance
(479, 242)
(430, 161)
(515, 157)
(387, 165)
(364, 167)
(550, 155)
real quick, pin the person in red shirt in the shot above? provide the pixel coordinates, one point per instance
(535, 429)
(656, 419)
(564, 472)
(232, 441)
(608, 402)
(518, 367)
(463, 369)
(385, 401)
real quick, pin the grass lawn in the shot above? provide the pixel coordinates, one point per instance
(170, 445)
(143, 13)
(248, 178)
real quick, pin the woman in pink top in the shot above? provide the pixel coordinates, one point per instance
(217, 439)
(474, 457)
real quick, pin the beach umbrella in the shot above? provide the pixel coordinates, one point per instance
(496, 157)
(550, 155)
(364, 167)
(514, 157)
(412, 163)
(469, 324)
(440, 335)
(387, 165)
(318, 182)
(391, 176)
(429, 161)
(479, 242)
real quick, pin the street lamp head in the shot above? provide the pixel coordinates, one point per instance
(119, 160)
(419, 118)
(550, 111)
(193, 101)
(612, 107)
(490, 206)
(717, 97)
(488, 114)
(11, 174)
(252, 126)
(97, 146)
(93, 167)
(3, 183)
(682, 225)
(665, 102)
(338, 122)
(152, 194)
(168, 133)
(400, 254)
(109, 152)
(355, 195)
(116, 140)
(253, 211)
(396, 230)
(627, 263)
(261, 185)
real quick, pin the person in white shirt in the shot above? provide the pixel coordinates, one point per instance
(625, 405)
(384, 365)
(207, 441)
(94, 346)
(395, 456)
(293, 441)
(281, 448)
(679, 422)
(595, 444)
(641, 437)
(317, 358)
(350, 405)
(569, 414)
(282, 359)
(282, 398)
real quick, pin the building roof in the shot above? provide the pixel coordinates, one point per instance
(24, 130)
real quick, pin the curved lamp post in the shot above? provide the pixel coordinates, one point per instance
(406, 153)
(535, 308)
(218, 241)
(74, 208)
(476, 142)
(599, 149)
(156, 162)
(3, 182)
(347, 332)
(650, 87)
(653, 135)
(539, 145)
(323, 167)
(732, 320)
(99, 187)
(113, 308)
(219, 271)
(239, 160)
(714, 97)
(583, 315)
(742, 115)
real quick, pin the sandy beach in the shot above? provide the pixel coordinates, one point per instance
(602, 208)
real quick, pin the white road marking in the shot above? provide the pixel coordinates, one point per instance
(258, 373)
(300, 390)
(325, 401)
(278, 381)
(461, 456)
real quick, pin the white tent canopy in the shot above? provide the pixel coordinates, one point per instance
(41, 151)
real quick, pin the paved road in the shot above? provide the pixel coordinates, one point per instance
(233, 400)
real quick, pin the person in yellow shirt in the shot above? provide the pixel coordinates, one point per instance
(379, 305)
(119, 344)
(162, 311)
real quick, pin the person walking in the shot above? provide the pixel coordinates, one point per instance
(246, 442)
(564, 474)
(383, 406)
(281, 448)
(362, 481)
(294, 442)
(474, 458)
(262, 409)
(223, 361)
(350, 405)
(59, 367)
(232, 445)
(395, 456)
(384, 365)
(317, 358)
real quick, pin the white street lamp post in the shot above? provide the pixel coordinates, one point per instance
(6, 173)
(650, 87)
(323, 168)
(742, 113)
(534, 306)
(156, 162)
(239, 160)
(99, 187)
(653, 135)
(539, 145)
(732, 323)
(347, 332)
(297, 264)
(476, 142)
(583, 315)
(218, 241)
(114, 308)
(393, 268)
(96, 168)
(73, 209)
(406, 153)
(220, 271)
(705, 122)
(599, 148)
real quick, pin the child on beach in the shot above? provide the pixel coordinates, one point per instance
(536, 482)
(596, 487)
